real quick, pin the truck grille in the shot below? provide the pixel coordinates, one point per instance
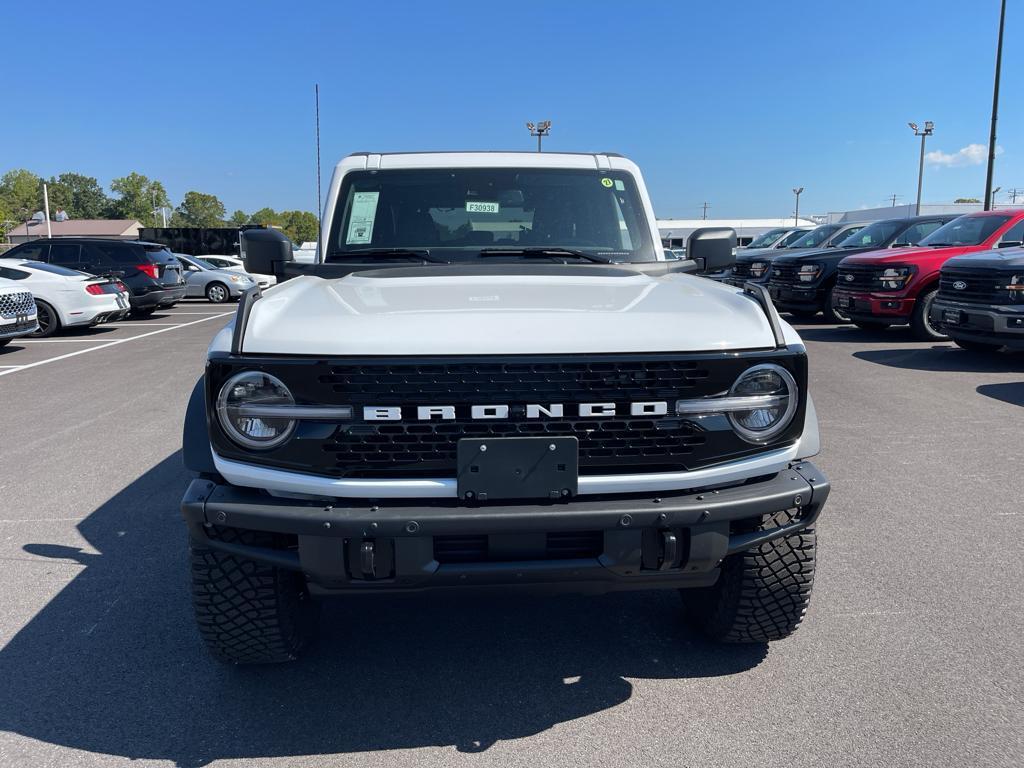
(784, 274)
(741, 269)
(856, 277)
(14, 304)
(412, 448)
(980, 286)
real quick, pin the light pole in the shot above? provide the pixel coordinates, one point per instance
(796, 212)
(540, 130)
(995, 111)
(929, 128)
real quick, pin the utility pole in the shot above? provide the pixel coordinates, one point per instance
(995, 110)
(894, 197)
(46, 207)
(705, 214)
(540, 130)
(929, 128)
(796, 211)
(1014, 193)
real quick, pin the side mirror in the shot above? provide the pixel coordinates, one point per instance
(713, 248)
(265, 251)
(1010, 244)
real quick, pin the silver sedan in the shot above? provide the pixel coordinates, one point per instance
(217, 285)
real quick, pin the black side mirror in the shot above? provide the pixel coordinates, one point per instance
(265, 251)
(713, 248)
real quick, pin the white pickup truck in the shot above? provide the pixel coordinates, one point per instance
(493, 377)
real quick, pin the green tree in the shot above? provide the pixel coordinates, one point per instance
(300, 226)
(967, 200)
(139, 198)
(21, 194)
(267, 217)
(238, 218)
(199, 210)
(80, 196)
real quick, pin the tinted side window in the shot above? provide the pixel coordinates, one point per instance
(107, 255)
(64, 253)
(29, 252)
(1014, 234)
(12, 274)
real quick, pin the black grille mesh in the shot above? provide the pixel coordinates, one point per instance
(857, 278)
(980, 286)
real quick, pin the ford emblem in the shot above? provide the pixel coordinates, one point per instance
(959, 285)
(849, 278)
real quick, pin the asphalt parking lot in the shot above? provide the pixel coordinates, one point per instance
(911, 653)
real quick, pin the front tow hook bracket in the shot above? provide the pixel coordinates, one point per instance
(367, 559)
(670, 550)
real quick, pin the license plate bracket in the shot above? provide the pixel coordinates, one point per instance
(952, 316)
(843, 302)
(497, 468)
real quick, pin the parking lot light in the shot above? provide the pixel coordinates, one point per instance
(540, 130)
(796, 212)
(929, 128)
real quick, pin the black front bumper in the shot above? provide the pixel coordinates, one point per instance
(791, 297)
(987, 323)
(650, 541)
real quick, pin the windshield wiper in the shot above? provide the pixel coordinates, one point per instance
(399, 253)
(535, 253)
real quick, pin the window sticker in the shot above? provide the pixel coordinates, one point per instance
(480, 206)
(619, 185)
(606, 183)
(360, 223)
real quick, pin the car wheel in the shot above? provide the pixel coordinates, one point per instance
(832, 313)
(218, 293)
(250, 612)
(977, 346)
(921, 324)
(761, 594)
(49, 321)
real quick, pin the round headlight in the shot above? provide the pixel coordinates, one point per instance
(759, 425)
(238, 407)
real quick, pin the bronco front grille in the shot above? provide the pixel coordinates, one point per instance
(409, 447)
(14, 304)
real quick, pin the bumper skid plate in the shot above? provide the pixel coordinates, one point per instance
(670, 540)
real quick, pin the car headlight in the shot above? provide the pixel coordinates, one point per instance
(894, 278)
(808, 273)
(238, 279)
(239, 407)
(1016, 284)
(775, 391)
(758, 268)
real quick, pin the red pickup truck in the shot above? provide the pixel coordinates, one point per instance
(897, 287)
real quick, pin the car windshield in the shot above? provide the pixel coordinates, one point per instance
(456, 213)
(791, 238)
(966, 230)
(879, 234)
(815, 237)
(766, 239)
(54, 269)
(204, 264)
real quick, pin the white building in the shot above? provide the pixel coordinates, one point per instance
(675, 231)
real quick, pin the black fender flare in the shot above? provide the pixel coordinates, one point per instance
(195, 444)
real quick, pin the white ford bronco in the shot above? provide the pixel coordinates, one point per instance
(493, 377)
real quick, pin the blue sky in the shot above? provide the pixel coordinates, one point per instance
(733, 103)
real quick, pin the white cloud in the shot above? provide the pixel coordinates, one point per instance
(972, 154)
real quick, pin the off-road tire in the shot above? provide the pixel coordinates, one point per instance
(250, 612)
(919, 322)
(761, 594)
(977, 346)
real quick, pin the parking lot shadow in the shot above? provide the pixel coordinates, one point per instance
(113, 664)
(851, 334)
(943, 358)
(1009, 392)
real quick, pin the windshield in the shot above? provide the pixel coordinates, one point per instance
(879, 234)
(766, 239)
(815, 237)
(791, 238)
(454, 213)
(967, 230)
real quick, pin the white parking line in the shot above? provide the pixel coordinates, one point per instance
(109, 344)
(59, 341)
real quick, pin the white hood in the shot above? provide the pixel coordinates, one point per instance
(504, 314)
